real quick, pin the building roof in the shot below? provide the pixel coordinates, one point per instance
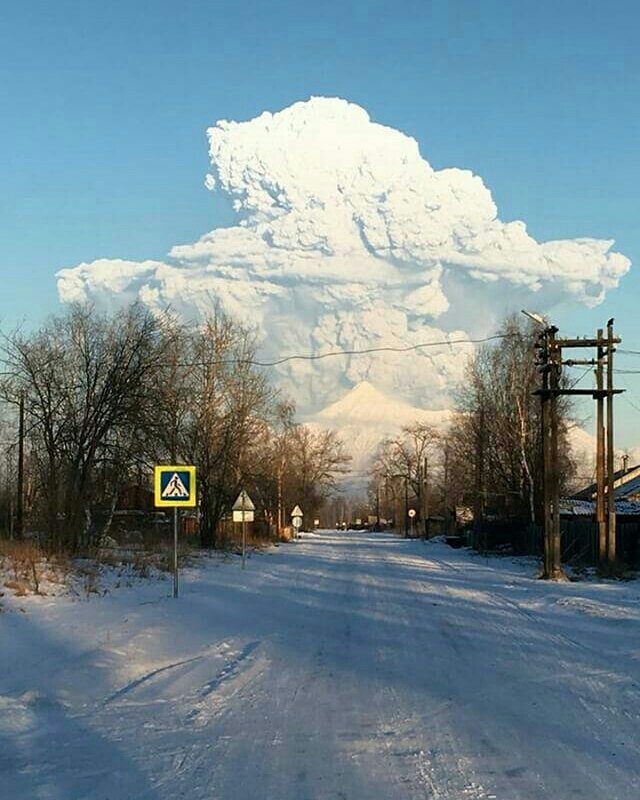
(622, 481)
(587, 508)
(627, 489)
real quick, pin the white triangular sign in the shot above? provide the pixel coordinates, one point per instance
(297, 512)
(175, 489)
(243, 503)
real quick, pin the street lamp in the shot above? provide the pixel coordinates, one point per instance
(535, 317)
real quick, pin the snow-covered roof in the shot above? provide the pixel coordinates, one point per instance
(623, 479)
(628, 489)
(587, 508)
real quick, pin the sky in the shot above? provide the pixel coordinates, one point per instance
(105, 108)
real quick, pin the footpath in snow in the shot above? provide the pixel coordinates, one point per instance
(355, 666)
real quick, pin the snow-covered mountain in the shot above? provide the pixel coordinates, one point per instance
(365, 416)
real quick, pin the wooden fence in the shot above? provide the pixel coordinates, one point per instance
(579, 539)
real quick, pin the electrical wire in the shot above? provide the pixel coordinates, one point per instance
(631, 403)
(332, 353)
(580, 377)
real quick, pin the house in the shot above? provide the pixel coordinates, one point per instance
(570, 507)
(135, 497)
(626, 489)
(626, 485)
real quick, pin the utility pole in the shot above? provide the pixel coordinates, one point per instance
(611, 500)
(478, 511)
(600, 455)
(555, 359)
(377, 504)
(20, 500)
(280, 520)
(406, 507)
(425, 498)
(419, 494)
(543, 366)
(550, 364)
(386, 501)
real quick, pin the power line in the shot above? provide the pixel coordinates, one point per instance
(332, 353)
(631, 403)
(580, 377)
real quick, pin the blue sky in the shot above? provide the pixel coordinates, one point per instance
(105, 105)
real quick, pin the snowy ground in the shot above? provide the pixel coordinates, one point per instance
(352, 666)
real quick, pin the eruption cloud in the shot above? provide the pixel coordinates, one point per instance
(347, 238)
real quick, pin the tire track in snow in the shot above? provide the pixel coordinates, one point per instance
(237, 669)
(440, 772)
(134, 684)
(602, 729)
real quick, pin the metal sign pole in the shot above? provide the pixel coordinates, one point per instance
(244, 532)
(175, 551)
(175, 488)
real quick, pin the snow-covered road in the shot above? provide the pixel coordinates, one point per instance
(354, 666)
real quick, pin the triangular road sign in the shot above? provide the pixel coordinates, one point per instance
(243, 503)
(297, 512)
(175, 489)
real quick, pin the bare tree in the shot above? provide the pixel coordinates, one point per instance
(495, 438)
(317, 458)
(87, 381)
(403, 465)
(212, 410)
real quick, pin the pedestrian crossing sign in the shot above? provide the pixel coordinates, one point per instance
(175, 486)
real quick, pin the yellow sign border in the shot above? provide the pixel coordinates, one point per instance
(158, 470)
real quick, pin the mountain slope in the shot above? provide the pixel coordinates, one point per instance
(365, 416)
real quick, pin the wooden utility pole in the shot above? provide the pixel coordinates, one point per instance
(20, 500)
(551, 366)
(406, 507)
(280, 519)
(546, 452)
(611, 500)
(425, 499)
(555, 359)
(478, 511)
(600, 455)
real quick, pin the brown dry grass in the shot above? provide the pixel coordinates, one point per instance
(19, 588)
(27, 569)
(24, 562)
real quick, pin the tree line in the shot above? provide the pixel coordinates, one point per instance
(488, 460)
(107, 396)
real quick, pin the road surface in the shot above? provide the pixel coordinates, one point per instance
(349, 666)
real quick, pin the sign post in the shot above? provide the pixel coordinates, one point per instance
(175, 551)
(296, 519)
(174, 487)
(243, 510)
(412, 514)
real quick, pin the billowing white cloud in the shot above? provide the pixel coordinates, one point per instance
(348, 238)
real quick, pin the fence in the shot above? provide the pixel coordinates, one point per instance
(579, 539)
